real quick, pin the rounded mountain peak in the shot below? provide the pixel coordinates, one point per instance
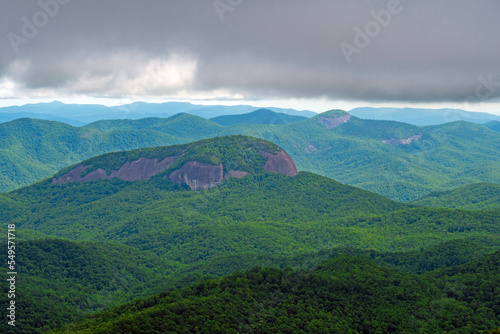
(200, 165)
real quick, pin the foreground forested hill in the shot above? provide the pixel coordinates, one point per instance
(63, 281)
(345, 294)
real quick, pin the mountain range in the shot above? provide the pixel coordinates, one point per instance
(130, 224)
(398, 160)
(80, 114)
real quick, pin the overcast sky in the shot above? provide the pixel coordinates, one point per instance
(299, 54)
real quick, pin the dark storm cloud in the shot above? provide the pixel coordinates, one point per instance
(363, 50)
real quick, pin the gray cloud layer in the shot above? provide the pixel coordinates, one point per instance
(426, 51)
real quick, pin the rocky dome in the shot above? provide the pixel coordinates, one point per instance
(200, 165)
(333, 118)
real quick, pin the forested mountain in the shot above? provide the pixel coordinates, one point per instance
(62, 281)
(7, 117)
(79, 114)
(478, 196)
(398, 160)
(32, 149)
(494, 125)
(247, 180)
(345, 294)
(142, 217)
(261, 116)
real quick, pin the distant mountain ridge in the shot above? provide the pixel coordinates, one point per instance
(260, 116)
(346, 294)
(79, 114)
(423, 117)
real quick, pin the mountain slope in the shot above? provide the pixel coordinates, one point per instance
(266, 216)
(494, 125)
(260, 116)
(87, 113)
(244, 197)
(479, 196)
(398, 160)
(7, 117)
(33, 149)
(342, 295)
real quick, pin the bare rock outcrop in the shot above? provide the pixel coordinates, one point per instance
(235, 173)
(141, 169)
(195, 174)
(407, 141)
(198, 176)
(334, 122)
(280, 163)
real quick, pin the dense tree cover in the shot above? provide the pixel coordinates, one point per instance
(345, 294)
(260, 116)
(263, 213)
(33, 149)
(280, 222)
(478, 196)
(165, 236)
(446, 156)
(452, 253)
(185, 127)
(61, 281)
(494, 125)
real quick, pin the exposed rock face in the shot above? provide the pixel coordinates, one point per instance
(235, 173)
(198, 176)
(142, 169)
(280, 163)
(334, 122)
(311, 148)
(395, 142)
